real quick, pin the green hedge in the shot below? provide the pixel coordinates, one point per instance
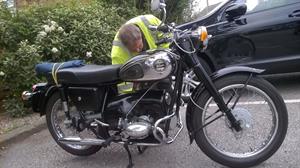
(54, 33)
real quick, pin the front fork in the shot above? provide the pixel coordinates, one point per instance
(193, 62)
(209, 85)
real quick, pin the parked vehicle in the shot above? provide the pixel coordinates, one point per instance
(266, 37)
(237, 118)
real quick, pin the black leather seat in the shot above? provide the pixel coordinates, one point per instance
(89, 74)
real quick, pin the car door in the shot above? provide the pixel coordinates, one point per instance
(266, 37)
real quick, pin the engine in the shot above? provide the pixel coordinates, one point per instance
(138, 129)
(137, 123)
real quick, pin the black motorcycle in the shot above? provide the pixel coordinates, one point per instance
(237, 118)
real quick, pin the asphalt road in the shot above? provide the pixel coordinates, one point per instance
(40, 150)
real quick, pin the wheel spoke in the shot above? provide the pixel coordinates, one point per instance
(240, 144)
(58, 117)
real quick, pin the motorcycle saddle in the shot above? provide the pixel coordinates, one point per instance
(89, 74)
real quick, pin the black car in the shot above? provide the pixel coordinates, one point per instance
(266, 37)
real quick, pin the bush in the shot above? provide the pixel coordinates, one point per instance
(19, 76)
(58, 32)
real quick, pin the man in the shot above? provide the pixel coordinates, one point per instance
(131, 39)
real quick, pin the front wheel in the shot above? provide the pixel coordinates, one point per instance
(260, 111)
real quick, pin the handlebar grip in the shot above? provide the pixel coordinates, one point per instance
(163, 28)
(161, 41)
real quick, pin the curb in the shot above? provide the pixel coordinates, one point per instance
(22, 132)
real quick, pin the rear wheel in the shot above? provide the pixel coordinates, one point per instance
(261, 112)
(55, 121)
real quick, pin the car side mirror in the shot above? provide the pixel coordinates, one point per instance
(235, 11)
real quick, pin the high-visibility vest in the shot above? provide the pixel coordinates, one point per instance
(120, 54)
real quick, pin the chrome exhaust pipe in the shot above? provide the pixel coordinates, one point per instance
(156, 129)
(79, 141)
(162, 137)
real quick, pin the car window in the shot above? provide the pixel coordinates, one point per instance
(200, 8)
(258, 5)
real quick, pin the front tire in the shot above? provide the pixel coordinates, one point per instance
(263, 116)
(55, 118)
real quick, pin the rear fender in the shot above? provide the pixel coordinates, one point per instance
(41, 97)
(200, 89)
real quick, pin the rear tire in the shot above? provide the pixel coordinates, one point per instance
(78, 150)
(223, 154)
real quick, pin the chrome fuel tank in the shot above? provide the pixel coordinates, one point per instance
(147, 67)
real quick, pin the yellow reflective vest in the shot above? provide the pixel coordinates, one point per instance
(120, 54)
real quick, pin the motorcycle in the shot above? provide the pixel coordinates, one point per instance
(236, 118)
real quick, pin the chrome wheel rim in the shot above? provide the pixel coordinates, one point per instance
(250, 141)
(61, 130)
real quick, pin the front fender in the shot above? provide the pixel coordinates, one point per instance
(215, 76)
(235, 69)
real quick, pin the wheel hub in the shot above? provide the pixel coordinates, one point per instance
(244, 117)
(245, 120)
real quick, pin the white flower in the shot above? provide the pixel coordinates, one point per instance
(42, 34)
(47, 28)
(60, 29)
(2, 73)
(54, 50)
(89, 54)
(52, 28)
(53, 23)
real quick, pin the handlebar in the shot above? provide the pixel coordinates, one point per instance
(164, 28)
(162, 41)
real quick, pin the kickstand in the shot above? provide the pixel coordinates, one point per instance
(141, 149)
(130, 165)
